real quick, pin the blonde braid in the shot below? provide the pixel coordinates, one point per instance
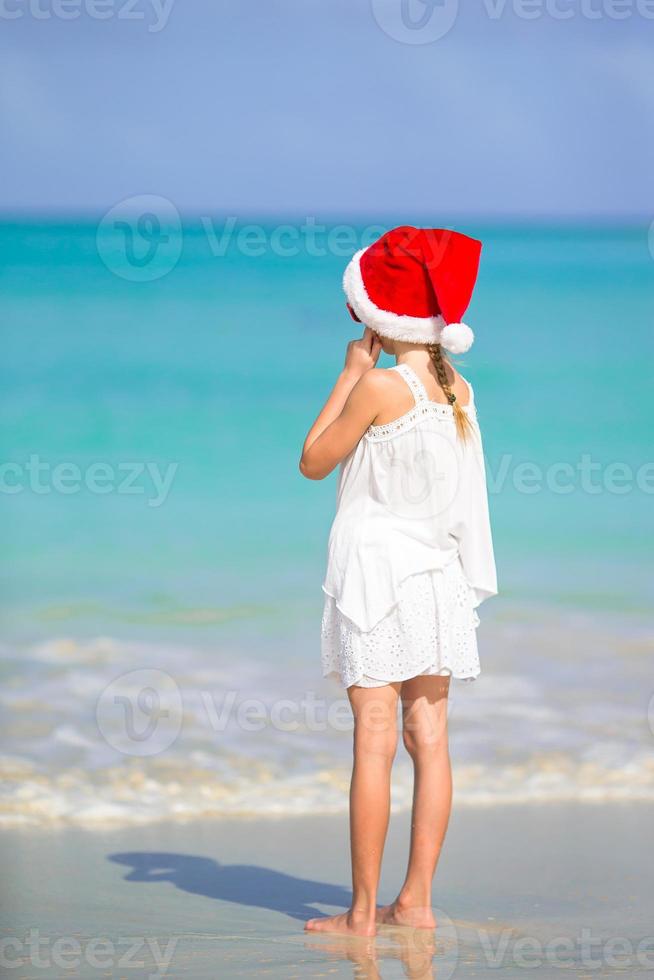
(461, 420)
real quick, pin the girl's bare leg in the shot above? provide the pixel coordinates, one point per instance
(424, 717)
(375, 743)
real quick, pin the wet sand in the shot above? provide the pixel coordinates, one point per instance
(554, 890)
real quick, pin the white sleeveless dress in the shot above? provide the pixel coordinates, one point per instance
(410, 553)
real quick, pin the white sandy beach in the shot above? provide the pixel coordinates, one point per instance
(557, 890)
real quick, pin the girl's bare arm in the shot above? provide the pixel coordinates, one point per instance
(349, 410)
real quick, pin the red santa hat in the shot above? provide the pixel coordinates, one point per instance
(415, 284)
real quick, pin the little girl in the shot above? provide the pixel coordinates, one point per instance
(410, 555)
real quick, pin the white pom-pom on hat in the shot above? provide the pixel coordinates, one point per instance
(457, 338)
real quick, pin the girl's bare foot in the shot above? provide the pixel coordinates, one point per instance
(351, 923)
(400, 913)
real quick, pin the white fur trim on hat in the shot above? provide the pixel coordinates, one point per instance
(457, 338)
(416, 329)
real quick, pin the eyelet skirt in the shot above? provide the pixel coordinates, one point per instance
(432, 629)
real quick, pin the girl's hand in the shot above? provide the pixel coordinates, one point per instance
(362, 354)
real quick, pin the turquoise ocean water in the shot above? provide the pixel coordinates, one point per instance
(207, 378)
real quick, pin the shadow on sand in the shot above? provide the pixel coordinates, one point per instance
(245, 884)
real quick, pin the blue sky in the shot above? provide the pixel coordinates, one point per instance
(323, 108)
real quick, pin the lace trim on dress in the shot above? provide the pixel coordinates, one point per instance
(375, 433)
(422, 408)
(418, 390)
